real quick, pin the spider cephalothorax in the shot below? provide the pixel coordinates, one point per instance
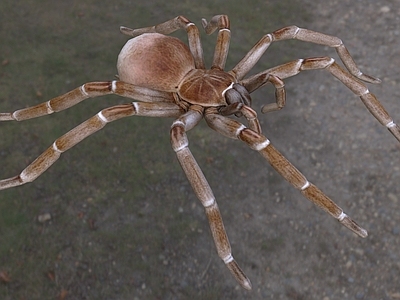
(169, 79)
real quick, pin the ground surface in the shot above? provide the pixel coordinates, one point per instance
(124, 221)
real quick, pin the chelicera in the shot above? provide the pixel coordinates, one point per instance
(169, 79)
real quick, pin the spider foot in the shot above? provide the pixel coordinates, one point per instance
(127, 31)
(220, 22)
(394, 129)
(352, 225)
(368, 78)
(239, 274)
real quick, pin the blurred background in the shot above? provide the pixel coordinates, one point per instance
(115, 217)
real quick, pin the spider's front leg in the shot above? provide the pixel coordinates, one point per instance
(355, 85)
(301, 34)
(260, 143)
(203, 190)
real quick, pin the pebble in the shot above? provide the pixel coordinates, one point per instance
(44, 217)
(385, 9)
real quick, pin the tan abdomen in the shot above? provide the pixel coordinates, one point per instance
(155, 61)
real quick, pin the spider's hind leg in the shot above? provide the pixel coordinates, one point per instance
(84, 130)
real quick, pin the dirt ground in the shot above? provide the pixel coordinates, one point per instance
(124, 222)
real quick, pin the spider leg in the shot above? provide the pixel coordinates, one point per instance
(294, 32)
(85, 129)
(246, 111)
(203, 190)
(355, 85)
(220, 22)
(260, 143)
(251, 117)
(88, 90)
(280, 94)
(180, 22)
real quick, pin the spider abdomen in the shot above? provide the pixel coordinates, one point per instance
(155, 61)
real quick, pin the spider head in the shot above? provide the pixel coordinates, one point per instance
(236, 96)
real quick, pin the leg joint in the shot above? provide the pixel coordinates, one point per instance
(179, 139)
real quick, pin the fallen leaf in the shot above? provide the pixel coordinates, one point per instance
(4, 277)
(63, 294)
(51, 275)
(92, 224)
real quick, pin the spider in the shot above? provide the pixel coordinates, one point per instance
(170, 80)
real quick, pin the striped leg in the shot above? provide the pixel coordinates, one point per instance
(170, 26)
(220, 22)
(280, 93)
(73, 137)
(305, 35)
(203, 191)
(88, 90)
(260, 143)
(355, 85)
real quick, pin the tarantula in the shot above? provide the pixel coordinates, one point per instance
(170, 80)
